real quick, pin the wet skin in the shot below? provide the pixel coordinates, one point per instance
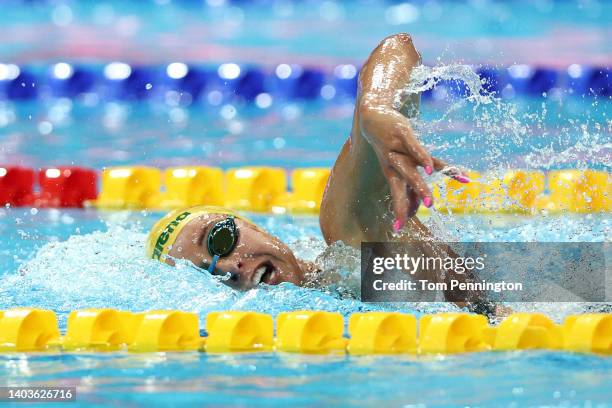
(258, 257)
(373, 193)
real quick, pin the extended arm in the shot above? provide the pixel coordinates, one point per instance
(375, 187)
(376, 170)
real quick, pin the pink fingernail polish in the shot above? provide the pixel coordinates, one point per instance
(397, 225)
(428, 170)
(427, 202)
(462, 179)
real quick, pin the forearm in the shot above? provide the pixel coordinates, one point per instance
(356, 203)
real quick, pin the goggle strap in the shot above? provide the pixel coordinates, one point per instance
(211, 268)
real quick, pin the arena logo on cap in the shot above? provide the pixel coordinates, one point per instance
(165, 235)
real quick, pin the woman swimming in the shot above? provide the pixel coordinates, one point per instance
(373, 192)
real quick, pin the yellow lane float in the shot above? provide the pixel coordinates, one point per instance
(522, 331)
(452, 333)
(459, 197)
(191, 186)
(588, 333)
(382, 333)
(166, 330)
(264, 189)
(580, 191)
(129, 187)
(308, 186)
(254, 188)
(239, 331)
(310, 332)
(99, 329)
(27, 329)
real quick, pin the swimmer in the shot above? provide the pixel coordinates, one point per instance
(373, 192)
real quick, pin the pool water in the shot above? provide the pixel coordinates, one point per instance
(189, 379)
(67, 260)
(72, 259)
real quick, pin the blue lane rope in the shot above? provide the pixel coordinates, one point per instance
(252, 83)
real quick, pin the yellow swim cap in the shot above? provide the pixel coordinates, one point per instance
(164, 232)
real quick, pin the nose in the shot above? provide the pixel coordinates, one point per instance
(239, 277)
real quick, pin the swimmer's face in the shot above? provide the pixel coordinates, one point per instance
(258, 257)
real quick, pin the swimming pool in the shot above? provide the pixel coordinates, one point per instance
(69, 259)
(105, 269)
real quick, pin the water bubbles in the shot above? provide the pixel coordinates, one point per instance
(263, 100)
(115, 115)
(404, 13)
(67, 219)
(177, 70)
(7, 116)
(229, 71)
(520, 71)
(283, 71)
(8, 72)
(508, 92)
(345, 71)
(172, 98)
(235, 127)
(328, 92)
(291, 112)
(62, 70)
(215, 98)
(45, 127)
(59, 111)
(278, 143)
(228, 112)
(575, 70)
(117, 71)
(178, 115)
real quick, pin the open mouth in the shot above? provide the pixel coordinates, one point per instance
(265, 273)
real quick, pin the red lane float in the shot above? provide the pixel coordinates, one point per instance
(66, 187)
(58, 186)
(16, 185)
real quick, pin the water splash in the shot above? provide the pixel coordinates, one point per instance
(108, 270)
(496, 134)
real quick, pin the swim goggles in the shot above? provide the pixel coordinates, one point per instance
(221, 240)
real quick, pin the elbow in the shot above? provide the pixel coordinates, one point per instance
(403, 43)
(404, 40)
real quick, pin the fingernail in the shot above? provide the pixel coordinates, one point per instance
(427, 202)
(428, 170)
(462, 179)
(397, 225)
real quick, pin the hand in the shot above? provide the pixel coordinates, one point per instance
(501, 311)
(400, 154)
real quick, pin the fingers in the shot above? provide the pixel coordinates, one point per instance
(414, 201)
(438, 164)
(450, 171)
(399, 198)
(407, 170)
(413, 147)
